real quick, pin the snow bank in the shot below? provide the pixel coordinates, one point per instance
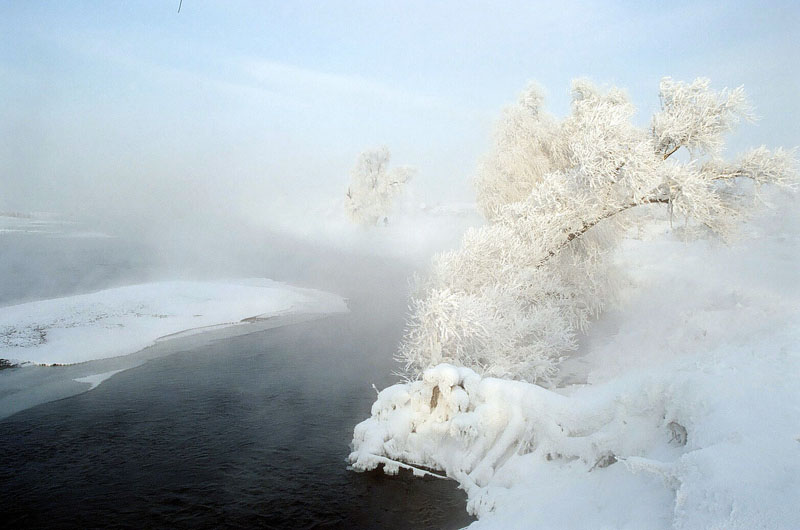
(124, 320)
(687, 414)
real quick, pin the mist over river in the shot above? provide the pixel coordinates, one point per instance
(243, 432)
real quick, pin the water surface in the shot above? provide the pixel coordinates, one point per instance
(245, 432)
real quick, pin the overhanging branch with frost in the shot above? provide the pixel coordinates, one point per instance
(511, 301)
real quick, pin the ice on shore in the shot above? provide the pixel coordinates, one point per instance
(94, 380)
(124, 320)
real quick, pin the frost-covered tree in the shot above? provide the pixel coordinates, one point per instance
(511, 301)
(373, 186)
(526, 148)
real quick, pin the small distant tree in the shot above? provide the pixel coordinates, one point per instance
(511, 301)
(373, 186)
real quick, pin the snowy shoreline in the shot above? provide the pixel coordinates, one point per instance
(679, 411)
(65, 344)
(123, 320)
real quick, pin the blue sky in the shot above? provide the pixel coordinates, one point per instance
(131, 109)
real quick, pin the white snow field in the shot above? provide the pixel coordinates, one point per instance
(124, 320)
(683, 409)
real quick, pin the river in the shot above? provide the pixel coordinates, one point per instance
(250, 431)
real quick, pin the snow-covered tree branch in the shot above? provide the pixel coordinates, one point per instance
(511, 301)
(373, 186)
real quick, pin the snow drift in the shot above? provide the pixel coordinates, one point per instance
(123, 320)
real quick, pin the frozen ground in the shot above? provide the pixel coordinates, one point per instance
(123, 320)
(683, 409)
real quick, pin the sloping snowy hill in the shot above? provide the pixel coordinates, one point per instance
(685, 414)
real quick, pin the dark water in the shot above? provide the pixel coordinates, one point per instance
(248, 432)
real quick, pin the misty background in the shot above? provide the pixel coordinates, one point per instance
(233, 114)
(217, 142)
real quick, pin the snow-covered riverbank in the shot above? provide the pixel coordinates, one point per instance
(123, 320)
(682, 408)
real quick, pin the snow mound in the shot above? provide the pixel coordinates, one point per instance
(124, 320)
(699, 445)
(686, 414)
